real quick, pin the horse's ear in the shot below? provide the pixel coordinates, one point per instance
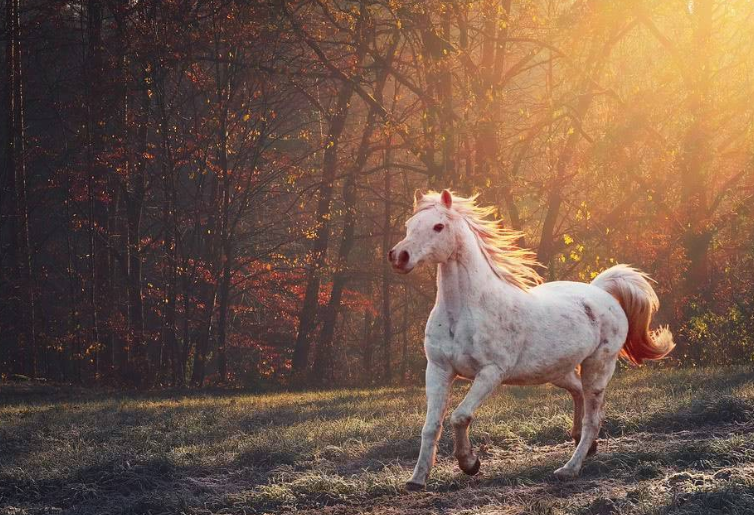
(418, 195)
(446, 198)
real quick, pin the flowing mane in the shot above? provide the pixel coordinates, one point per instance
(510, 263)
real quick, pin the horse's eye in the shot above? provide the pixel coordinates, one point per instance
(438, 227)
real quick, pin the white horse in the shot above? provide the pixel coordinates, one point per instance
(494, 323)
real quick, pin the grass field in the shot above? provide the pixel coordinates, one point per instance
(673, 442)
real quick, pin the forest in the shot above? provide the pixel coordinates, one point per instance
(203, 192)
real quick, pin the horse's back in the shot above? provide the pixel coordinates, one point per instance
(593, 304)
(574, 294)
(571, 321)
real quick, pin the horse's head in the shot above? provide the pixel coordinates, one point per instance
(430, 234)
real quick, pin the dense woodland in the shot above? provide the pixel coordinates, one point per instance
(203, 192)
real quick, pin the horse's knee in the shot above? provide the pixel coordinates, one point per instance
(431, 430)
(594, 393)
(460, 420)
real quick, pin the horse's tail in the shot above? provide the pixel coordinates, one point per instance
(639, 301)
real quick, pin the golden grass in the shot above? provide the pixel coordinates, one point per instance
(674, 441)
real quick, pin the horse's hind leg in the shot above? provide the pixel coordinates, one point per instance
(484, 384)
(596, 372)
(572, 383)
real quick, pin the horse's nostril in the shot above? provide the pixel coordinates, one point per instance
(390, 255)
(403, 257)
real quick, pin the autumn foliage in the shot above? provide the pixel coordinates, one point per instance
(204, 192)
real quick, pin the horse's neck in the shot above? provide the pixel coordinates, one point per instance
(462, 279)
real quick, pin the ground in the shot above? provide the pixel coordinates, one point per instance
(674, 441)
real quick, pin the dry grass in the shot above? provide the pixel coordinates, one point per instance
(673, 442)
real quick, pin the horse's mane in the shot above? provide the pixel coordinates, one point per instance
(510, 263)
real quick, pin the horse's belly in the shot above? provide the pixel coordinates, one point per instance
(548, 365)
(539, 377)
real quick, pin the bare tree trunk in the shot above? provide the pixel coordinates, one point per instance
(446, 114)
(205, 330)
(323, 364)
(134, 197)
(486, 82)
(222, 315)
(72, 356)
(404, 353)
(318, 254)
(598, 55)
(218, 248)
(171, 254)
(170, 246)
(29, 314)
(489, 92)
(226, 245)
(227, 249)
(696, 157)
(10, 352)
(24, 332)
(387, 327)
(368, 351)
(93, 73)
(185, 328)
(208, 291)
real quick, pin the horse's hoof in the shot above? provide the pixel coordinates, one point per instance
(565, 473)
(474, 470)
(414, 487)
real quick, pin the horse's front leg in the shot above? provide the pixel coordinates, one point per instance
(485, 382)
(439, 380)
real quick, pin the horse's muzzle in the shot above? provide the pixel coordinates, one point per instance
(400, 261)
